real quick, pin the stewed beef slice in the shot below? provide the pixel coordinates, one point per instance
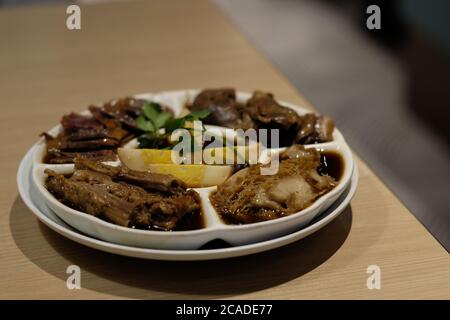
(146, 180)
(89, 198)
(56, 156)
(101, 194)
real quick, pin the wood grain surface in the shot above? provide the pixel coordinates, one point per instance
(133, 47)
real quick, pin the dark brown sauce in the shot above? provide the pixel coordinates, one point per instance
(332, 164)
(191, 222)
(194, 221)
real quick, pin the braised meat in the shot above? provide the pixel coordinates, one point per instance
(67, 143)
(124, 110)
(56, 156)
(89, 198)
(223, 107)
(95, 136)
(262, 111)
(314, 128)
(248, 196)
(106, 192)
(73, 122)
(268, 113)
(146, 180)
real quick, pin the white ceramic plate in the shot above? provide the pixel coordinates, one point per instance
(215, 228)
(44, 214)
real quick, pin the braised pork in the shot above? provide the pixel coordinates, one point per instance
(248, 196)
(223, 107)
(56, 156)
(102, 191)
(95, 135)
(262, 111)
(124, 110)
(146, 180)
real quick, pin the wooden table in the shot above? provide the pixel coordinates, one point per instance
(126, 48)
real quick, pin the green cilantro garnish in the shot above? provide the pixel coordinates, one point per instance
(154, 119)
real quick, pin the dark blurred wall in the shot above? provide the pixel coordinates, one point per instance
(427, 53)
(418, 32)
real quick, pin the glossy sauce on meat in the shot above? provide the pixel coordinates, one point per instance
(129, 198)
(304, 175)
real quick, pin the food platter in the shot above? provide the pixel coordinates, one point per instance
(244, 238)
(30, 196)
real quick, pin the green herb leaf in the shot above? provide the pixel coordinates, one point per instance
(151, 110)
(161, 119)
(144, 125)
(173, 124)
(155, 118)
(150, 140)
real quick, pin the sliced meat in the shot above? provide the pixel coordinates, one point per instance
(166, 213)
(106, 120)
(56, 156)
(152, 181)
(75, 121)
(86, 164)
(146, 180)
(93, 134)
(124, 110)
(99, 193)
(108, 127)
(64, 143)
(89, 198)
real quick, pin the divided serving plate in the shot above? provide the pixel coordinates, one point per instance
(236, 235)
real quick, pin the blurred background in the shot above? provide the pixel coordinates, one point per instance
(387, 89)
